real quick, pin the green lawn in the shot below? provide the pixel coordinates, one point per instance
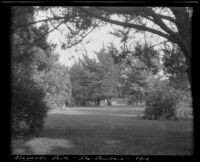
(111, 131)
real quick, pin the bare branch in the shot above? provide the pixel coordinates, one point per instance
(134, 11)
(44, 20)
(157, 19)
(157, 44)
(139, 27)
(87, 34)
(37, 40)
(35, 22)
(167, 18)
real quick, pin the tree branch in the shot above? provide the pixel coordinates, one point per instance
(37, 40)
(44, 20)
(86, 34)
(157, 19)
(157, 44)
(35, 22)
(134, 11)
(139, 27)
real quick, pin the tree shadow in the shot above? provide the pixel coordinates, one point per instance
(45, 145)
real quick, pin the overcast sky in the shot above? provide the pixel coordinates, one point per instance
(96, 39)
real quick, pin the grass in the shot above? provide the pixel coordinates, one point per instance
(107, 131)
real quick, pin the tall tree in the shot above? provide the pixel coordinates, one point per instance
(143, 62)
(81, 82)
(172, 23)
(111, 74)
(57, 85)
(178, 33)
(28, 105)
(95, 80)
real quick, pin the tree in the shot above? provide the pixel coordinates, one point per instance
(139, 63)
(57, 85)
(172, 23)
(37, 80)
(95, 80)
(178, 33)
(111, 75)
(81, 82)
(28, 105)
(174, 66)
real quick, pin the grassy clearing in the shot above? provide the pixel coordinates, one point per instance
(114, 131)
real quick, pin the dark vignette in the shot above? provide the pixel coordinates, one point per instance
(6, 61)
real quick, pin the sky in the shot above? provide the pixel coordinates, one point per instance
(96, 39)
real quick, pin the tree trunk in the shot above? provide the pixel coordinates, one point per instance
(189, 76)
(82, 103)
(98, 102)
(109, 101)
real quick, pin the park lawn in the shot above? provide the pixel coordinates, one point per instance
(107, 131)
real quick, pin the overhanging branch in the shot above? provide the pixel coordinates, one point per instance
(139, 27)
(41, 37)
(134, 11)
(44, 20)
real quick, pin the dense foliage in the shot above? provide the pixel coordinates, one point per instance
(140, 64)
(34, 74)
(95, 80)
(57, 86)
(160, 101)
(165, 101)
(28, 107)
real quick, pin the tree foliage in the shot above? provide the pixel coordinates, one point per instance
(28, 105)
(175, 66)
(137, 66)
(95, 81)
(37, 81)
(57, 86)
(176, 31)
(170, 23)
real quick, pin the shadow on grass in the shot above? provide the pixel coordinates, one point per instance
(43, 144)
(113, 134)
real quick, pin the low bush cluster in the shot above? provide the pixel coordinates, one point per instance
(160, 101)
(184, 104)
(160, 105)
(28, 109)
(165, 102)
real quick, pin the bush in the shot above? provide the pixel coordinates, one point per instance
(182, 110)
(160, 103)
(160, 106)
(184, 104)
(28, 108)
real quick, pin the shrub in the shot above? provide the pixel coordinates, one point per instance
(60, 101)
(160, 106)
(184, 104)
(160, 103)
(28, 108)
